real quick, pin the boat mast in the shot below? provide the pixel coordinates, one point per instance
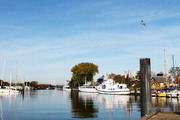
(174, 72)
(3, 71)
(16, 74)
(165, 66)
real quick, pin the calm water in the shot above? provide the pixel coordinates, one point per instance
(57, 105)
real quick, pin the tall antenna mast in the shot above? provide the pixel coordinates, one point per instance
(165, 66)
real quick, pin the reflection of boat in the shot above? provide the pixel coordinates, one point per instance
(111, 102)
(66, 87)
(88, 88)
(86, 96)
(109, 87)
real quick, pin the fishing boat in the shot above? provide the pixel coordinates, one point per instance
(110, 87)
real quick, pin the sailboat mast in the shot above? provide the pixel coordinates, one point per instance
(3, 71)
(173, 67)
(16, 74)
(165, 66)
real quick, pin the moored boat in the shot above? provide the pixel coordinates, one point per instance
(162, 94)
(66, 87)
(173, 94)
(109, 87)
(88, 88)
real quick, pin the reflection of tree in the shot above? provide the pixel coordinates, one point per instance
(82, 108)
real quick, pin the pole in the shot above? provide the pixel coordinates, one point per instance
(16, 73)
(3, 72)
(145, 72)
(165, 66)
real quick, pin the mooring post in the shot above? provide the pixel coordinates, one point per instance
(145, 74)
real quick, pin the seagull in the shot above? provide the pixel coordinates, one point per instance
(142, 22)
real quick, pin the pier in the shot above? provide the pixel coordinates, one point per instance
(162, 115)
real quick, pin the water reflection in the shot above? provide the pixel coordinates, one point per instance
(68, 105)
(166, 104)
(83, 105)
(12, 99)
(116, 103)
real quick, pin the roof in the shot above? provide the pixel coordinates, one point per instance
(160, 79)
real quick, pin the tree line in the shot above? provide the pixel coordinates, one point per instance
(86, 71)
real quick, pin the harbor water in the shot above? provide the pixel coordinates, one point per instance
(65, 105)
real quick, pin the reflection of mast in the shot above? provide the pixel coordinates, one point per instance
(15, 109)
(1, 110)
(165, 66)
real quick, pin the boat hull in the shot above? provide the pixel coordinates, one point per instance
(88, 89)
(113, 92)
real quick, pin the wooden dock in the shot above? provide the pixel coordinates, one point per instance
(161, 115)
(166, 116)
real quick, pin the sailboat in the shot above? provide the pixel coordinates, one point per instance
(174, 93)
(9, 89)
(163, 93)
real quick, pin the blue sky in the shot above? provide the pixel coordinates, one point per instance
(48, 37)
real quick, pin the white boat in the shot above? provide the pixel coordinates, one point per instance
(9, 90)
(66, 87)
(88, 88)
(110, 87)
(173, 94)
(4, 90)
(13, 90)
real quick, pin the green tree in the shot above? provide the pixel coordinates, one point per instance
(82, 72)
(112, 75)
(119, 79)
(100, 80)
(138, 76)
(34, 84)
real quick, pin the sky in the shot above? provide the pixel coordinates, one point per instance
(46, 38)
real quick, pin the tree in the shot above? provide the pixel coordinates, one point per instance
(138, 76)
(119, 79)
(100, 80)
(34, 84)
(112, 75)
(83, 71)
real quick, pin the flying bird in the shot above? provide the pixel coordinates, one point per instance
(142, 22)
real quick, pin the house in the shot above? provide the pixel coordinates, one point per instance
(178, 80)
(159, 81)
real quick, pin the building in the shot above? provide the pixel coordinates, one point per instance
(159, 81)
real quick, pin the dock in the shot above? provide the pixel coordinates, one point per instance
(162, 115)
